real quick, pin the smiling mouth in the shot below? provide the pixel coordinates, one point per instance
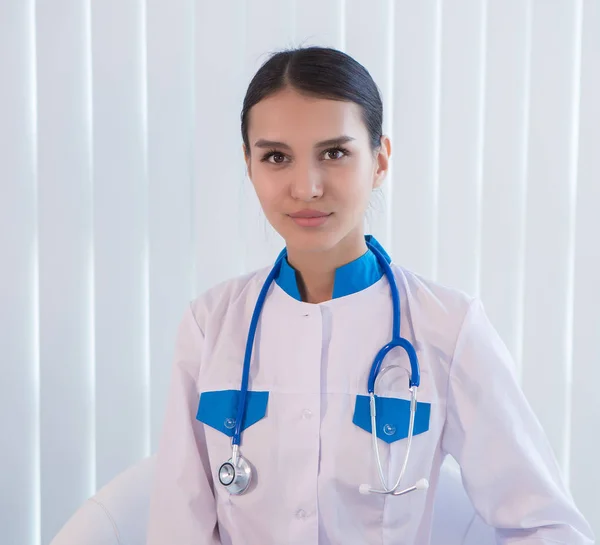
(310, 219)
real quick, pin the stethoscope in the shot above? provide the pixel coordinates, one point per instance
(236, 474)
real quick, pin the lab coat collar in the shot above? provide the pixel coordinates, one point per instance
(350, 278)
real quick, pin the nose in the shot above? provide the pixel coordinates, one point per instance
(306, 184)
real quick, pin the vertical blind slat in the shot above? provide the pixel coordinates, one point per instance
(415, 135)
(319, 23)
(120, 234)
(218, 161)
(461, 124)
(170, 179)
(549, 217)
(67, 435)
(19, 387)
(585, 412)
(504, 168)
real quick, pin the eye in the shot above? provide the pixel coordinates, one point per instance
(333, 154)
(274, 157)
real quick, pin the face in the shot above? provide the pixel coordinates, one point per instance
(313, 168)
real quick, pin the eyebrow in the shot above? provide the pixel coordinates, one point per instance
(338, 141)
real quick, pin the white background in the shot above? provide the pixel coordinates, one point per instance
(123, 195)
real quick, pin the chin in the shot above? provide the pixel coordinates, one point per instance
(312, 241)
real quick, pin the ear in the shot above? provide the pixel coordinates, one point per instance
(382, 162)
(247, 160)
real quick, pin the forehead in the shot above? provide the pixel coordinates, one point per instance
(292, 117)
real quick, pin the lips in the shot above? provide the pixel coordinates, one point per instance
(309, 218)
(309, 214)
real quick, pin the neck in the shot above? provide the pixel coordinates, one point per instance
(316, 270)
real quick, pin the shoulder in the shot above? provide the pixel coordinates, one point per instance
(213, 303)
(433, 307)
(433, 296)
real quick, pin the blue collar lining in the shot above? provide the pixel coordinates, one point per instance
(350, 278)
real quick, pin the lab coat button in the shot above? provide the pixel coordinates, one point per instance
(388, 429)
(306, 414)
(301, 514)
(229, 423)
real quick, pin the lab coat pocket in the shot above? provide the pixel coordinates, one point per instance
(393, 417)
(218, 409)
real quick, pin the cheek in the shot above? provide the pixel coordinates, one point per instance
(353, 185)
(268, 191)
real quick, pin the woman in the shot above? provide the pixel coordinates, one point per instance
(314, 150)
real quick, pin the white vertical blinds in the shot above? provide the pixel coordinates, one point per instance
(19, 278)
(66, 302)
(462, 84)
(120, 241)
(550, 213)
(123, 195)
(170, 164)
(414, 112)
(217, 177)
(504, 168)
(584, 475)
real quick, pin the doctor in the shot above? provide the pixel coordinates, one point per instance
(315, 400)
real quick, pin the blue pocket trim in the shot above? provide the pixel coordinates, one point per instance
(393, 417)
(219, 409)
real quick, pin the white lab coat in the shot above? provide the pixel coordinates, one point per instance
(309, 458)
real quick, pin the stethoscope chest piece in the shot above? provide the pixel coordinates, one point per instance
(235, 476)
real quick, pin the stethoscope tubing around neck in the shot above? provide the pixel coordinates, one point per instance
(396, 341)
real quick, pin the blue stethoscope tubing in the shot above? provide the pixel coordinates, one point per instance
(396, 341)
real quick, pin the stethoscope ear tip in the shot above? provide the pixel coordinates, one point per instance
(364, 489)
(423, 484)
